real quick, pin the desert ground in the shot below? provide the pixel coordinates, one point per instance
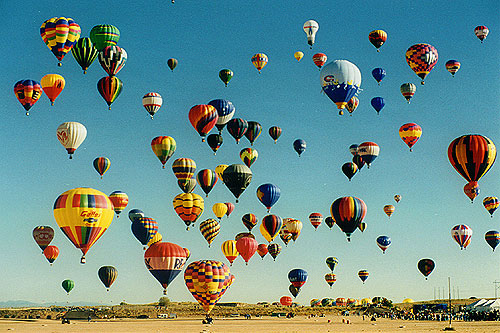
(266, 324)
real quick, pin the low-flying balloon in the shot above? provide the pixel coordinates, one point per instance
(462, 235)
(330, 278)
(68, 285)
(286, 301)
(426, 266)
(165, 261)
(107, 275)
(297, 277)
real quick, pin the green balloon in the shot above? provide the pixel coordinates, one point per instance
(68, 285)
(103, 35)
(226, 75)
(84, 53)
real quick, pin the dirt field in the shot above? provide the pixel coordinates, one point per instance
(298, 324)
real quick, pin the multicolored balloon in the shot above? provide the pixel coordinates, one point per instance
(107, 275)
(471, 189)
(184, 168)
(397, 198)
(237, 127)
(203, 118)
(383, 242)
(319, 59)
(362, 226)
(259, 60)
(268, 195)
(163, 147)
(331, 262)
(110, 88)
(52, 85)
(275, 133)
(209, 229)
(377, 38)
(352, 105)
(408, 90)
(340, 80)
(297, 277)
(28, 92)
(363, 275)
(101, 165)
(152, 103)
(426, 266)
(491, 204)
(51, 253)
(43, 235)
(389, 209)
(253, 131)
(144, 229)
(249, 221)
(348, 213)
(293, 227)
(219, 170)
(330, 278)
(226, 75)
(270, 227)
(315, 219)
(135, 214)
(481, 32)
(230, 251)
(60, 34)
(225, 111)
(84, 53)
(462, 235)
(368, 152)
(492, 237)
(165, 261)
(410, 133)
(189, 207)
(119, 200)
(285, 236)
(172, 63)
(349, 169)
(452, 66)
(112, 59)
(83, 214)
(206, 179)
(249, 156)
(421, 58)
(274, 249)
(188, 185)
(329, 221)
(104, 35)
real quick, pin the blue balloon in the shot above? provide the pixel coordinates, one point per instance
(378, 74)
(268, 194)
(297, 277)
(225, 110)
(378, 103)
(383, 242)
(299, 145)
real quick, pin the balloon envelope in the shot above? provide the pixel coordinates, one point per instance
(165, 261)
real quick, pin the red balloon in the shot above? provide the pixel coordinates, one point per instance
(230, 208)
(51, 252)
(247, 247)
(286, 301)
(262, 250)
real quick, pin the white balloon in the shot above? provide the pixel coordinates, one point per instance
(310, 28)
(71, 135)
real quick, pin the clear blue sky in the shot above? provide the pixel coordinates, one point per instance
(206, 37)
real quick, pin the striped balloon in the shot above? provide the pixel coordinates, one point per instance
(51, 253)
(210, 229)
(253, 131)
(28, 92)
(330, 278)
(52, 85)
(163, 147)
(377, 38)
(184, 168)
(315, 219)
(103, 35)
(331, 262)
(119, 200)
(189, 207)
(270, 227)
(319, 59)
(172, 63)
(452, 66)
(165, 261)
(107, 275)
(101, 165)
(348, 213)
(472, 156)
(408, 90)
(144, 229)
(249, 221)
(462, 235)
(491, 204)
(275, 133)
(389, 209)
(60, 34)
(206, 179)
(230, 251)
(285, 236)
(492, 237)
(249, 156)
(152, 103)
(237, 127)
(293, 226)
(410, 133)
(352, 104)
(156, 238)
(383, 242)
(368, 152)
(203, 118)
(274, 249)
(110, 88)
(84, 53)
(259, 60)
(481, 32)
(112, 59)
(363, 275)
(225, 110)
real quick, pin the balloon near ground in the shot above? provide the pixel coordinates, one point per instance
(426, 266)
(68, 285)
(107, 275)
(462, 235)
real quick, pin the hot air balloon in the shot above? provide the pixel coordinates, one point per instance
(103, 35)
(259, 60)
(452, 66)
(253, 131)
(230, 251)
(249, 156)
(247, 246)
(310, 28)
(112, 59)
(353, 149)
(285, 236)
(189, 207)
(330, 279)
(397, 198)
(340, 80)
(471, 189)
(225, 111)
(107, 275)
(408, 90)
(297, 277)
(294, 227)
(71, 135)
(110, 88)
(68, 285)
(378, 103)
(184, 168)
(236, 178)
(219, 209)
(270, 227)
(410, 133)
(135, 214)
(421, 58)
(298, 55)
(152, 103)
(249, 221)
(51, 253)
(352, 105)
(226, 75)
(243, 234)
(28, 92)
(315, 219)
(219, 170)
(348, 213)
(358, 160)
(268, 195)
(368, 152)
(481, 32)
(43, 235)
(52, 85)
(362, 226)
(300, 146)
(286, 301)
(207, 280)
(349, 169)
(119, 200)
(363, 275)
(294, 290)
(491, 204)
(472, 156)
(426, 266)
(209, 229)
(389, 209)
(84, 53)
(492, 237)
(275, 133)
(156, 238)
(215, 141)
(262, 250)
(60, 34)
(377, 38)
(83, 214)
(163, 147)
(207, 179)
(237, 127)
(230, 207)
(331, 262)
(144, 229)
(165, 261)
(319, 59)
(378, 74)
(462, 235)
(383, 242)
(203, 118)
(101, 165)
(172, 63)
(329, 221)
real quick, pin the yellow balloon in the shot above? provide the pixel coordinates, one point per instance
(298, 55)
(83, 214)
(219, 170)
(229, 250)
(219, 209)
(293, 227)
(52, 85)
(157, 238)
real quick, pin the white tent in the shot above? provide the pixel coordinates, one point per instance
(484, 305)
(473, 306)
